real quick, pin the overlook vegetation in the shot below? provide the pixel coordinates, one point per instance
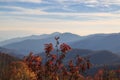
(55, 65)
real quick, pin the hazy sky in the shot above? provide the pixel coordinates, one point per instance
(26, 17)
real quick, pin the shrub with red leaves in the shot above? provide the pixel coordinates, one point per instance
(53, 68)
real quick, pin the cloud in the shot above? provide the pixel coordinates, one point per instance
(37, 14)
(91, 3)
(22, 10)
(69, 5)
(33, 1)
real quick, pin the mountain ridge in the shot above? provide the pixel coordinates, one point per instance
(37, 45)
(108, 42)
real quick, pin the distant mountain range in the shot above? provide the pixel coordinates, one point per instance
(33, 37)
(109, 42)
(35, 43)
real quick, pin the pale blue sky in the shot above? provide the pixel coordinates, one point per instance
(26, 17)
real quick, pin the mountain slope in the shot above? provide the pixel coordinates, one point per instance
(96, 57)
(104, 57)
(11, 52)
(5, 61)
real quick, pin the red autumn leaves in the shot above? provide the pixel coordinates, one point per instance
(63, 47)
(33, 60)
(48, 48)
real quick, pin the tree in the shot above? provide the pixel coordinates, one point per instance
(20, 71)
